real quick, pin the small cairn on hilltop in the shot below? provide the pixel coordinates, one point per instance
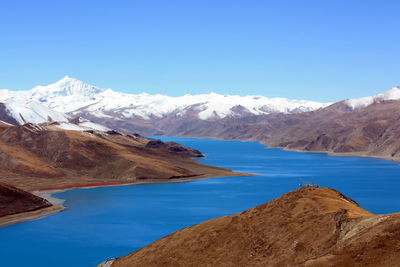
(308, 184)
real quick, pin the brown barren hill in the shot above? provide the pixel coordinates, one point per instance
(34, 157)
(371, 131)
(306, 227)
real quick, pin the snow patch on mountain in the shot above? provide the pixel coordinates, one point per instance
(24, 112)
(391, 94)
(70, 127)
(84, 126)
(94, 126)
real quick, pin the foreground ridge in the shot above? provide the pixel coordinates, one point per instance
(306, 227)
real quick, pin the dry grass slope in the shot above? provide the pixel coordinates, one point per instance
(306, 227)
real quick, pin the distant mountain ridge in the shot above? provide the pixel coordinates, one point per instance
(75, 97)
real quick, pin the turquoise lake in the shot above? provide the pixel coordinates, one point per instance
(102, 223)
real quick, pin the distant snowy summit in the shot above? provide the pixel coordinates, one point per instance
(391, 94)
(75, 97)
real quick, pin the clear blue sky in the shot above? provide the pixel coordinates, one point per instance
(322, 50)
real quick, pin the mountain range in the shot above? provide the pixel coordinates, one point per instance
(365, 126)
(76, 98)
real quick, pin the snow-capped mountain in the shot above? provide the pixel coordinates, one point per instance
(65, 95)
(391, 94)
(75, 97)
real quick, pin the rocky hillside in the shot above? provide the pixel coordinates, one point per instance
(306, 227)
(369, 131)
(14, 201)
(47, 156)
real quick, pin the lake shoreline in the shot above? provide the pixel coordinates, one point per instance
(336, 154)
(268, 146)
(30, 215)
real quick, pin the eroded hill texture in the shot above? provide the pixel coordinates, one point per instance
(306, 227)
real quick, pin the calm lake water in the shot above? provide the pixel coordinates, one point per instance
(102, 223)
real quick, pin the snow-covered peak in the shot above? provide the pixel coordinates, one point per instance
(391, 94)
(65, 87)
